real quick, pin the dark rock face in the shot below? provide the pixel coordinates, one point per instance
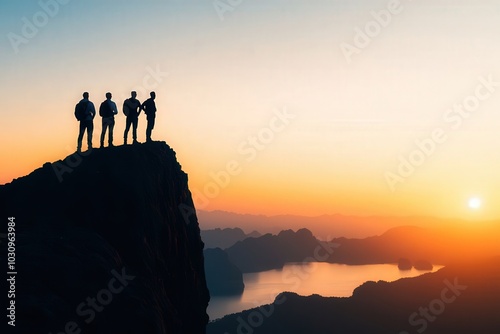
(107, 242)
(223, 277)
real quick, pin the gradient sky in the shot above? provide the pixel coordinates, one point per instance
(229, 79)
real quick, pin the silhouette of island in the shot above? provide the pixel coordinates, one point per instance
(272, 251)
(423, 265)
(108, 228)
(404, 264)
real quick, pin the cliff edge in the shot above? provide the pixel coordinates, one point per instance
(107, 241)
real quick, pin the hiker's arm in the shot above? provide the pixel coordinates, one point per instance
(92, 109)
(140, 108)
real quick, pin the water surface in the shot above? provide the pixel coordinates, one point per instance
(325, 279)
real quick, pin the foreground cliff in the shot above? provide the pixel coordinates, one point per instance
(107, 242)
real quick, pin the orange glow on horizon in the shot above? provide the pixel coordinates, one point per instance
(306, 197)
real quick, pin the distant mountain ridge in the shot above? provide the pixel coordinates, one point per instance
(436, 246)
(324, 227)
(224, 238)
(272, 251)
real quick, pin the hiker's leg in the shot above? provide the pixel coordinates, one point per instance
(127, 127)
(148, 131)
(135, 122)
(90, 133)
(103, 131)
(80, 135)
(151, 125)
(111, 127)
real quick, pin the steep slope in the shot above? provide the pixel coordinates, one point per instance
(107, 242)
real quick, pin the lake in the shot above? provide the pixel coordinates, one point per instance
(325, 279)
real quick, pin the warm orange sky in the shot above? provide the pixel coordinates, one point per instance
(275, 93)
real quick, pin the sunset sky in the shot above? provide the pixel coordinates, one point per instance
(294, 106)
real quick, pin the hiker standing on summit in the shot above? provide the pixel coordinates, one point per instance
(131, 109)
(149, 107)
(85, 113)
(107, 111)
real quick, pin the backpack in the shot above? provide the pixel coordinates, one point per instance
(105, 110)
(81, 110)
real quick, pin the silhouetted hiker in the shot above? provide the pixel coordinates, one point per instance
(149, 107)
(107, 111)
(131, 109)
(85, 113)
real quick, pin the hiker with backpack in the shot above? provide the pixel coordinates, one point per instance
(85, 113)
(131, 109)
(149, 107)
(107, 111)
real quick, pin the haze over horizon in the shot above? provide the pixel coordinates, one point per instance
(281, 107)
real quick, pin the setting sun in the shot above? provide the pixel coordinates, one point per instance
(475, 203)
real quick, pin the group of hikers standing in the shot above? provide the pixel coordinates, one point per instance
(85, 112)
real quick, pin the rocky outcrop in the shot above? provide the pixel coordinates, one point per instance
(107, 242)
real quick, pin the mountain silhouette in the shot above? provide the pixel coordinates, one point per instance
(107, 242)
(325, 226)
(422, 247)
(272, 251)
(224, 238)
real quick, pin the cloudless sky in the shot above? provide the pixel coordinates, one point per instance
(221, 83)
